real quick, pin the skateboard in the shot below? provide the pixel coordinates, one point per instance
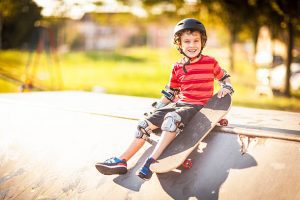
(198, 128)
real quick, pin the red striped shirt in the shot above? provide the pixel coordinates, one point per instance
(197, 85)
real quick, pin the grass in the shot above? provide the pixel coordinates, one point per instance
(134, 71)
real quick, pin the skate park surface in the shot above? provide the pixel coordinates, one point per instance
(50, 142)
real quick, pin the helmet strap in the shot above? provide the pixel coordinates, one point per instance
(189, 59)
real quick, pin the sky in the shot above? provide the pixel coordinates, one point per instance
(75, 9)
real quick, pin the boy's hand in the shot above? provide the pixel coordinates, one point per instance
(161, 103)
(226, 89)
(223, 92)
(158, 104)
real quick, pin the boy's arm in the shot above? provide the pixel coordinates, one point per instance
(170, 92)
(226, 85)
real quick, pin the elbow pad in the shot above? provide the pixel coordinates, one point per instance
(226, 75)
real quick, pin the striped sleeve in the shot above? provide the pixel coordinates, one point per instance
(174, 83)
(218, 72)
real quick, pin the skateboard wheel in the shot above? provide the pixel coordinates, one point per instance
(187, 164)
(223, 122)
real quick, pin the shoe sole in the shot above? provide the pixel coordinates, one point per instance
(142, 176)
(103, 169)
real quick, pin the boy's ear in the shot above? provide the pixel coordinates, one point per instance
(179, 44)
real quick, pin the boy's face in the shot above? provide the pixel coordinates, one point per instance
(190, 43)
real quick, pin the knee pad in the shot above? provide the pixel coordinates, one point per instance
(171, 122)
(143, 130)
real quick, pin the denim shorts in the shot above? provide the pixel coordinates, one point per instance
(186, 112)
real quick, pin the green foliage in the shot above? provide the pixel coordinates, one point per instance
(133, 71)
(18, 19)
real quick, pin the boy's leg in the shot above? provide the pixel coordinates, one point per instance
(170, 127)
(118, 165)
(165, 139)
(136, 144)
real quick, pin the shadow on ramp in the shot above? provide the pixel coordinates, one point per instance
(204, 180)
(210, 169)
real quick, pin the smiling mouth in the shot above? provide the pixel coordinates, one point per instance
(192, 50)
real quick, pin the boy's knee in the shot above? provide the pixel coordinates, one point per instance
(143, 129)
(171, 122)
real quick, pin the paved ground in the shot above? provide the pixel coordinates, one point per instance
(49, 143)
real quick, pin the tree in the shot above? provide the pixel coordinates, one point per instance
(17, 21)
(280, 15)
(287, 18)
(236, 16)
(254, 18)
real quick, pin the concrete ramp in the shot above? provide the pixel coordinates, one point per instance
(49, 143)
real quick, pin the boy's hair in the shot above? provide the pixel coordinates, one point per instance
(178, 35)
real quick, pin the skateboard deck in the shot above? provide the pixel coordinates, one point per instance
(197, 129)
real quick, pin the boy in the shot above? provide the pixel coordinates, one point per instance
(190, 87)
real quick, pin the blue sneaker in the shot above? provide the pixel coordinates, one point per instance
(145, 172)
(112, 166)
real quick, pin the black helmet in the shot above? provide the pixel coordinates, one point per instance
(192, 24)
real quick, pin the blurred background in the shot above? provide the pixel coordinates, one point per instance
(125, 46)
